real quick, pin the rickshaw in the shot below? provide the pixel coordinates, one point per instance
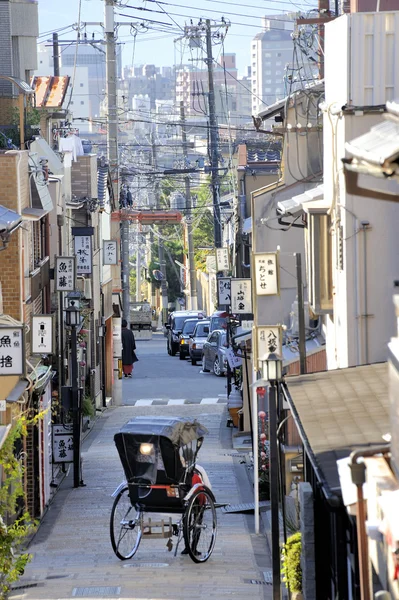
(158, 455)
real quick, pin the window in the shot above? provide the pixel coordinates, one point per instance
(82, 84)
(267, 72)
(278, 63)
(268, 80)
(268, 55)
(254, 56)
(279, 54)
(82, 101)
(267, 90)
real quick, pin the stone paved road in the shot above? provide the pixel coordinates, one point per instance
(72, 554)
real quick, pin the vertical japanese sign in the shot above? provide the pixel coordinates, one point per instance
(110, 252)
(222, 259)
(42, 334)
(83, 254)
(266, 274)
(224, 290)
(241, 296)
(269, 340)
(64, 273)
(12, 351)
(62, 444)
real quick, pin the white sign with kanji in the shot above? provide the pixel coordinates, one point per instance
(64, 273)
(266, 274)
(233, 360)
(62, 444)
(241, 296)
(12, 356)
(269, 340)
(222, 259)
(83, 254)
(42, 334)
(224, 291)
(110, 252)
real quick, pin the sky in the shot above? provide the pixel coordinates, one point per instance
(154, 44)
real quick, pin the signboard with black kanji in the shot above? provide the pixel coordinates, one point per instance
(224, 291)
(110, 252)
(12, 351)
(222, 259)
(65, 273)
(268, 341)
(266, 274)
(83, 254)
(241, 296)
(62, 444)
(42, 334)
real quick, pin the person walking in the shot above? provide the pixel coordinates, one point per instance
(128, 349)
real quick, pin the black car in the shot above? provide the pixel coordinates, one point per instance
(174, 327)
(188, 330)
(197, 341)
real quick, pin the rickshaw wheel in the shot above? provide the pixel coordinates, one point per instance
(200, 525)
(125, 526)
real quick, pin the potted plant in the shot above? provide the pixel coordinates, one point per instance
(88, 411)
(291, 569)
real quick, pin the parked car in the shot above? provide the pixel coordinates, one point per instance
(188, 330)
(174, 327)
(218, 320)
(197, 340)
(214, 353)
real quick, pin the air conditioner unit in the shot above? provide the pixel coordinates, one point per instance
(87, 289)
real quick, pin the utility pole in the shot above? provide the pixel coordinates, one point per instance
(214, 139)
(193, 304)
(112, 153)
(301, 315)
(161, 252)
(56, 55)
(138, 270)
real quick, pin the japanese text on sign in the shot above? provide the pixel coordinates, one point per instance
(62, 444)
(224, 291)
(268, 341)
(42, 334)
(222, 259)
(11, 351)
(64, 273)
(266, 274)
(241, 296)
(110, 252)
(83, 254)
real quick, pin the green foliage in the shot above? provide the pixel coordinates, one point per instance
(203, 232)
(88, 409)
(32, 116)
(14, 528)
(291, 557)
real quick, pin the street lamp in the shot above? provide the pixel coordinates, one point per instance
(273, 372)
(72, 320)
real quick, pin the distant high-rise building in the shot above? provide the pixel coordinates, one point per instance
(149, 80)
(271, 53)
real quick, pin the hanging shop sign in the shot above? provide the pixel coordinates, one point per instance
(269, 340)
(62, 444)
(241, 296)
(110, 252)
(42, 334)
(65, 273)
(222, 259)
(266, 269)
(12, 350)
(224, 290)
(83, 254)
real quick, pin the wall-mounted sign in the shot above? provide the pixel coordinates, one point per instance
(233, 360)
(269, 339)
(110, 252)
(241, 296)
(12, 350)
(222, 259)
(266, 274)
(64, 273)
(62, 444)
(83, 254)
(42, 335)
(224, 290)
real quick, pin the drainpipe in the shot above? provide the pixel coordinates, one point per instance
(358, 473)
(243, 213)
(365, 226)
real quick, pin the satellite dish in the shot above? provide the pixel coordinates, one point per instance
(157, 275)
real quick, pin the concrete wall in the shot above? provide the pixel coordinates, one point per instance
(306, 520)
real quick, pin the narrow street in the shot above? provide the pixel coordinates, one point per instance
(72, 554)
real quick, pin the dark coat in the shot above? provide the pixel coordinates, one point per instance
(128, 347)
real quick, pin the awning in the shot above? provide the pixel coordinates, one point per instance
(42, 149)
(380, 145)
(9, 220)
(33, 214)
(337, 412)
(102, 181)
(294, 206)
